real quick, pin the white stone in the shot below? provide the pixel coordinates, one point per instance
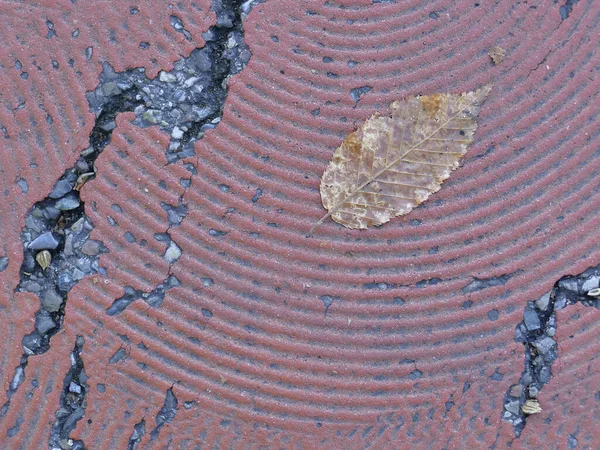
(190, 81)
(231, 42)
(173, 253)
(591, 283)
(177, 133)
(543, 301)
(167, 77)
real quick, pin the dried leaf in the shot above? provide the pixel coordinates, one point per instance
(44, 258)
(594, 292)
(497, 54)
(531, 406)
(392, 164)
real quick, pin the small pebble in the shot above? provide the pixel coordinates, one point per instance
(172, 253)
(359, 92)
(68, 202)
(51, 300)
(91, 247)
(543, 301)
(45, 241)
(129, 237)
(61, 188)
(531, 318)
(23, 185)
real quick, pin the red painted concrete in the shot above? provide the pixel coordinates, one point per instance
(269, 368)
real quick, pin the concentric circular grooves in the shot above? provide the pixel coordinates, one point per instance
(302, 316)
(274, 234)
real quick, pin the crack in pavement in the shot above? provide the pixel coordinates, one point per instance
(72, 403)
(154, 298)
(536, 332)
(166, 414)
(139, 430)
(479, 284)
(185, 102)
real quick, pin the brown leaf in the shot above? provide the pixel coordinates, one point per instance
(392, 164)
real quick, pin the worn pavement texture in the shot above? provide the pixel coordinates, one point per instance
(159, 171)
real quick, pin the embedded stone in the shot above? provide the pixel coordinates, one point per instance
(167, 77)
(591, 283)
(173, 253)
(43, 322)
(543, 301)
(51, 300)
(45, 241)
(531, 318)
(544, 345)
(110, 89)
(61, 188)
(90, 247)
(68, 202)
(512, 406)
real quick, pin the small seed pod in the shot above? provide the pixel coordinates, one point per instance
(82, 179)
(594, 292)
(44, 258)
(531, 406)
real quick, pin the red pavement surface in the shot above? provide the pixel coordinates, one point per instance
(269, 369)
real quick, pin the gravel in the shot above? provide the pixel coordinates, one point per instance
(119, 355)
(569, 283)
(175, 214)
(91, 247)
(139, 430)
(479, 284)
(359, 92)
(544, 345)
(72, 401)
(185, 102)
(536, 332)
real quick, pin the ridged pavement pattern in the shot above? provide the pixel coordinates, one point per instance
(346, 339)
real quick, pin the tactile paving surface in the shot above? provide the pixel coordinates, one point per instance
(346, 339)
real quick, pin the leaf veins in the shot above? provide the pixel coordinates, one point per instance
(392, 164)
